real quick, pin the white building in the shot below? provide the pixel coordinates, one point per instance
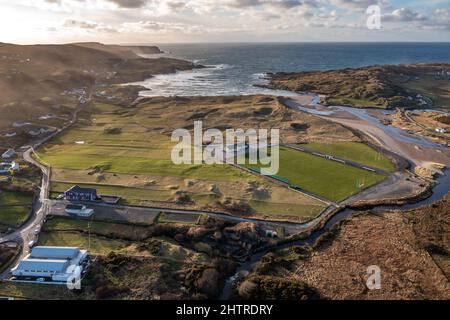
(15, 166)
(7, 167)
(79, 210)
(52, 264)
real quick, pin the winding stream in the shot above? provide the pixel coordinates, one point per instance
(438, 192)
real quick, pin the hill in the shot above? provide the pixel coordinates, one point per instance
(36, 80)
(389, 86)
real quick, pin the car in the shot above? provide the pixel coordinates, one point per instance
(36, 231)
(31, 243)
(40, 280)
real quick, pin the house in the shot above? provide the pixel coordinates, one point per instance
(76, 193)
(15, 166)
(52, 264)
(9, 154)
(4, 169)
(38, 132)
(10, 135)
(7, 167)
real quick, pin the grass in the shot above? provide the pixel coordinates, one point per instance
(99, 245)
(357, 103)
(14, 216)
(184, 218)
(286, 209)
(13, 198)
(329, 179)
(123, 164)
(357, 152)
(129, 195)
(14, 208)
(437, 90)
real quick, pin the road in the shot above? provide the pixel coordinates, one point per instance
(146, 214)
(29, 231)
(43, 206)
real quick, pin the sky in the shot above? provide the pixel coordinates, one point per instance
(179, 21)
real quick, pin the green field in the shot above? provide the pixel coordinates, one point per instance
(99, 245)
(13, 198)
(14, 216)
(285, 209)
(108, 237)
(355, 151)
(102, 228)
(15, 207)
(328, 179)
(129, 195)
(122, 164)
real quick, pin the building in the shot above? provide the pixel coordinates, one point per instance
(52, 264)
(9, 154)
(79, 210)
(76, 193)
(15, 166)
(9, 167)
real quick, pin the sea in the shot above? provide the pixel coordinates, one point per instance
(239, 69)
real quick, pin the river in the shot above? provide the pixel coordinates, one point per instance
(438, 192)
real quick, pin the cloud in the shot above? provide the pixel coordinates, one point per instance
(404, 15)
(87, 25)
(130, 3)
(357, 5)
(279, 4)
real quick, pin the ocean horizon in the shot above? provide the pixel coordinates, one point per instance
(238, 68)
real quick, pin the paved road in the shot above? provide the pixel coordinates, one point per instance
(43, 206)
(29, 231)
(146, 215)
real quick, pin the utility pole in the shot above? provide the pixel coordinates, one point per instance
(89, 231)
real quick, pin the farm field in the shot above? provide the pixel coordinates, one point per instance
(355, 151)
(98, 245)
(13, 198)
(102, 228)
(328, 179)
(127, 239)
(118, 152)
(15, 207)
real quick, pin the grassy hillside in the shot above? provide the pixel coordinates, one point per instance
(135, 161)
(376, 86)
(36, 80)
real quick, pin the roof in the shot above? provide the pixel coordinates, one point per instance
(78, 189)
(9, 153)
(74, 207)
(54, 252)
(43, 265)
